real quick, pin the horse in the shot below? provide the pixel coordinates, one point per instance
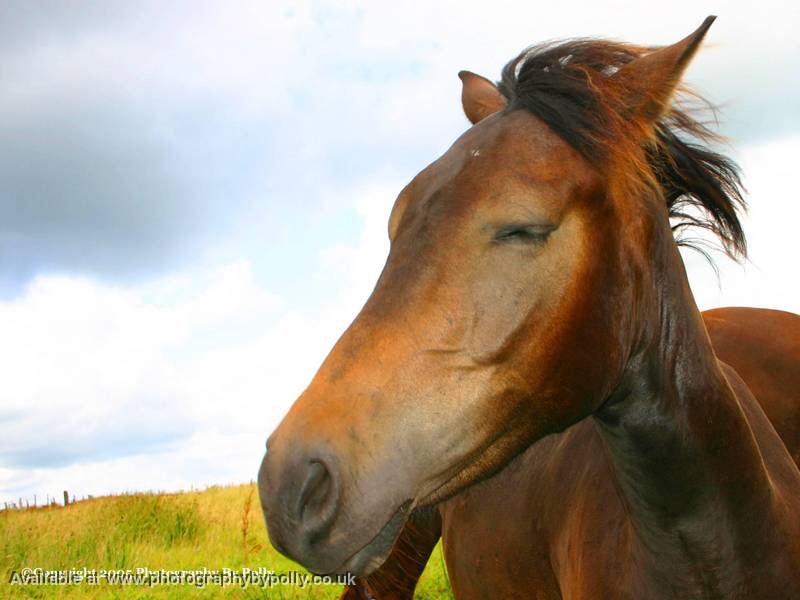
(762, 345)
(534, 298)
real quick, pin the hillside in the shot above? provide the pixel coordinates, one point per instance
(219, 528)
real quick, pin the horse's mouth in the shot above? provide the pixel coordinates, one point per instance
(376, 551)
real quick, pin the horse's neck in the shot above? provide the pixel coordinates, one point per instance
(686, 460)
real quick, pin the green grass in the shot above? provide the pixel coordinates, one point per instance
(215, 529)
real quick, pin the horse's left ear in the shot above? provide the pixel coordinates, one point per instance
(652, 79)
(479, 96)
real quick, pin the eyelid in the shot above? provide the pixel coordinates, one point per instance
(524, 232)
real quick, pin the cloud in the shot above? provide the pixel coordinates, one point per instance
(99, 372)
(204, 458)
(766, 278)
(193, 203)
(138, 140)
(189, 372)
(126, 149)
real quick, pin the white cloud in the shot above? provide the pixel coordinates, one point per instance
(357, 265)
(174, 383)
(769, 278)
(98, 372)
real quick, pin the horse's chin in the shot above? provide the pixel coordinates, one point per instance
(483, 463)
(371, 556)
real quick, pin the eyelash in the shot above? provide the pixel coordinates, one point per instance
(522, 234)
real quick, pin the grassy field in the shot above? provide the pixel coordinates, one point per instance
(219, 528)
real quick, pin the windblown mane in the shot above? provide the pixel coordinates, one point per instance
(573, 87)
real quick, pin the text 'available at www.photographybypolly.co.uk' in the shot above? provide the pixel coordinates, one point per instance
(200, 578)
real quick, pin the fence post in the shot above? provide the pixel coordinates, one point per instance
(66, 498)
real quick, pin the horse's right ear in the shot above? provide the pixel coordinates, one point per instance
(652, 79)
(479, 97)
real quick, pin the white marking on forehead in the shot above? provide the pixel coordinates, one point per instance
(475, 152)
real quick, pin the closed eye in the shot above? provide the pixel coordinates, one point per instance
(523, 233)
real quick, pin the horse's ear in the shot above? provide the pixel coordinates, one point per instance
(479, 97)
(652, 79)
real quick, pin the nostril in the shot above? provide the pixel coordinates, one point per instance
(318, 500)
(315, 488)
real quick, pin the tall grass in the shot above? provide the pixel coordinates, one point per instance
(215, 529)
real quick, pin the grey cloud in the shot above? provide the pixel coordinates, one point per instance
(124, 164)
(94, 181)
(120, 166)
(24, 23)
(139, 426)
(52, 453)
(757, 95)
(78, 190)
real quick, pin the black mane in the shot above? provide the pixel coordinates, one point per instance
(572, 88)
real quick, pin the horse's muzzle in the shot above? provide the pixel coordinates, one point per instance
(300, 495)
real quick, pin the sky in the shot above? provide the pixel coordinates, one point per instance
(194, 196)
